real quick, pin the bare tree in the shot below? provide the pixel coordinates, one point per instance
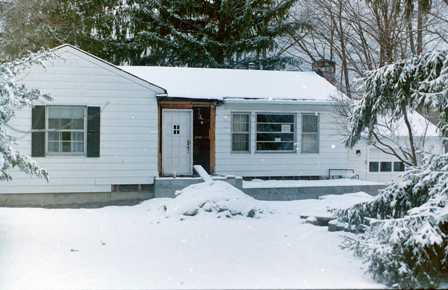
(361, 36)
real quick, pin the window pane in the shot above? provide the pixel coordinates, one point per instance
(66, 136)
(310, 143)
(60, 117)
(78, 136)
(374, 166)
(78, 147)
(275, 146)
(275, 132)
(386, 166)
(275, 137)
(66, 129)
(398, 166)
(53, 136)
(272, 118)
(53, 146)
(310, 123)
(240, 142)
(284, 128)
(66, 147)
(240, 122)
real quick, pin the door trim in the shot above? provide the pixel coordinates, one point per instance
(190, 111)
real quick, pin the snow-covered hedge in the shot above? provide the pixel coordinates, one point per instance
(218, 198)
(405, 228)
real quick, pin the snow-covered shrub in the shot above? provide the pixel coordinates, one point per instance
(405, 238)
(218, 198)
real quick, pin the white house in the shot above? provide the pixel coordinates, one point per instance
(109, 127)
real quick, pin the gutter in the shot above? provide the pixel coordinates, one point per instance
(280, 102)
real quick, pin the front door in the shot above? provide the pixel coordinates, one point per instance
(177, 142)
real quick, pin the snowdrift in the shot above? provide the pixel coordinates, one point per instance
(217, 198)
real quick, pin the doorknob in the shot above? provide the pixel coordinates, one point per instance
(188, 145)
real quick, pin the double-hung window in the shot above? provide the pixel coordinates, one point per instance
(310, 133)
(66, 130)
(240, 132)
(276, 132)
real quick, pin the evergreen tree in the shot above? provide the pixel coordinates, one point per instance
(396, 91)
(405, 228)
(201, 33)
(30, 25)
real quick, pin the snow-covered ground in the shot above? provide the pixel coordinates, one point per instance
(259, 183)
(148, 246)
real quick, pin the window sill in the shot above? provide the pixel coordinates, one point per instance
(64, 155)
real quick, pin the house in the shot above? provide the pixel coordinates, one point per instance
(112, 128)
(371, 163)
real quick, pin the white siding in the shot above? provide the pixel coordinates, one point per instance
(369, 153)
(332, 153)
(128, 146)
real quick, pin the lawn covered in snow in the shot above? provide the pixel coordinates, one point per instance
(153, 245)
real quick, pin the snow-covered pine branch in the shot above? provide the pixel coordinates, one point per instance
(15, 96)
(395, 92)
(405, 237)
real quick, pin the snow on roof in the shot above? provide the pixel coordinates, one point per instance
(420, 126)
(220, 84)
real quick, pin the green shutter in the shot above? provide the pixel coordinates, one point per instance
(38, 137)
(93, 131)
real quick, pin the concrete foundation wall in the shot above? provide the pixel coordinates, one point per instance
(166, 188)
(73, 200)
(297, 193)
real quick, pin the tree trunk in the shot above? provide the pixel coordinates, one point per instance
(420, 20)
(344, 52)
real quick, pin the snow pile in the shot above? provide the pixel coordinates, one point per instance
(405, 242)
(218, 198)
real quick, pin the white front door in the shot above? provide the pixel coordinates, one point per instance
(177, 131)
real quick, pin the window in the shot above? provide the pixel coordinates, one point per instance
(276, 132)
(445, 146)
(398, 166)
(374, 166)
(240, 132)
(66, 129)
(386, 166)
(310, 133)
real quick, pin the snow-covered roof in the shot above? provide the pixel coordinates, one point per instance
(420, 126)
(220, 84)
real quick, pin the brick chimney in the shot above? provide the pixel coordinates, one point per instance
(325, 68)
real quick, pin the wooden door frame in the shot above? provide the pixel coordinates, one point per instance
(188, 104)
